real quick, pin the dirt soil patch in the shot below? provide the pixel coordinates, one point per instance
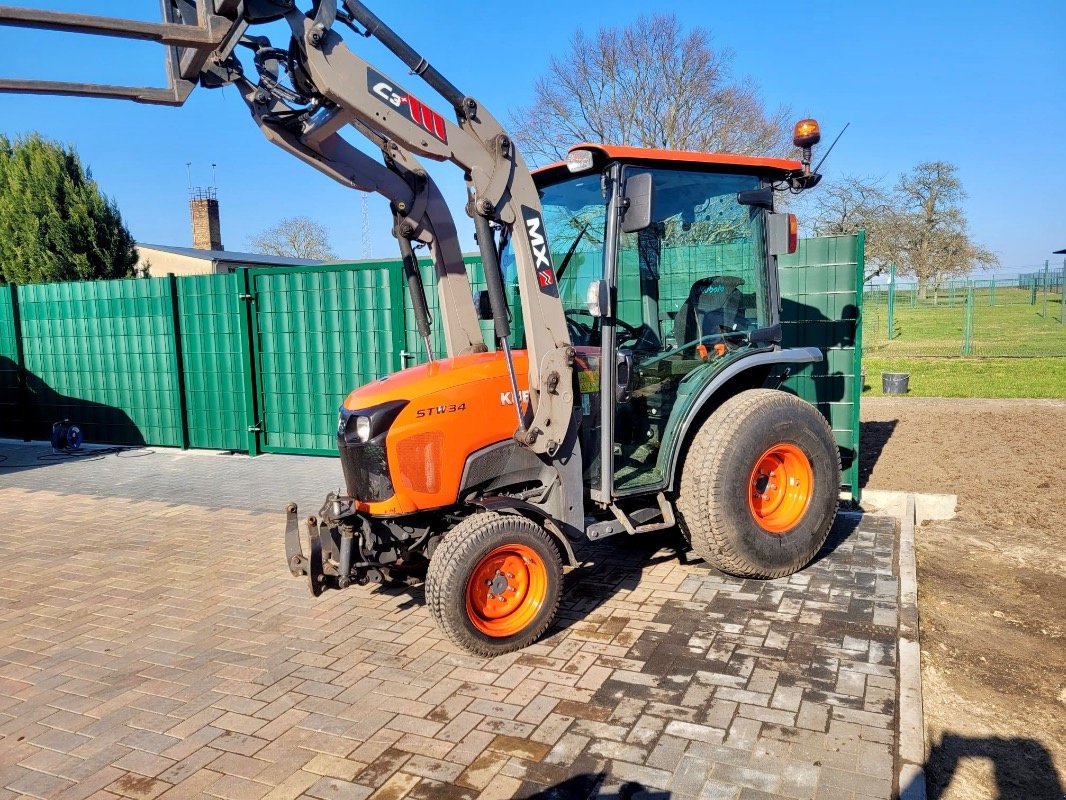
(991, 585)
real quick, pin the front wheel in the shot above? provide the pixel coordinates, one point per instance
(760, 485)
(494, 582)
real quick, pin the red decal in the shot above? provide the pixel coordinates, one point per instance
(546, 278)
(427, 118)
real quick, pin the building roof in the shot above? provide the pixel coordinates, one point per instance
(232, 256)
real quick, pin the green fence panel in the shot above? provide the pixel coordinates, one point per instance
(211, 355)
(822, 298)
(102, 354)
(319, 333)
(11, 408)
(985, 317)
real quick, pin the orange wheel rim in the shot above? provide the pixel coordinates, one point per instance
(780, 488)
(506, 590)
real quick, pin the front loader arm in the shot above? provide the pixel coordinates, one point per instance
(422, 215)
(201, 36)
(501, 189)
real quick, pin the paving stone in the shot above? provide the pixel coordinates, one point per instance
(209, 674)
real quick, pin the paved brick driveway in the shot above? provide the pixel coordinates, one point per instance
(156, 649)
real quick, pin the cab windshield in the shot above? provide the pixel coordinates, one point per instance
(575, 214)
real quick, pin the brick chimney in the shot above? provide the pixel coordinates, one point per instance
(206, 227)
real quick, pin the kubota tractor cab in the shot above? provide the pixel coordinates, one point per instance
(634, 305)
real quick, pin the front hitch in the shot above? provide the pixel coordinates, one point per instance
(336, 551)
(321, 573)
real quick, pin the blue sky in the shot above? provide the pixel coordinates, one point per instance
(979, 84)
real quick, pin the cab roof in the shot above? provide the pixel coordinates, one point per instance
(774, 168)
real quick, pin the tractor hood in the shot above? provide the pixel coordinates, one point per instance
(437, 377)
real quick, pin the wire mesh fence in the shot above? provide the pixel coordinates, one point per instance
(1018, 316)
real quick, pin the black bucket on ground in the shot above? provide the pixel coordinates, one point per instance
(895, 382)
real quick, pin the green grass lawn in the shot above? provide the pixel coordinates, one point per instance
(1018, 329)
(970, 377)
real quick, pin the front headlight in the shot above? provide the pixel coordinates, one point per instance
(362, 428)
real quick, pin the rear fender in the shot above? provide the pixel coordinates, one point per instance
(747, 373)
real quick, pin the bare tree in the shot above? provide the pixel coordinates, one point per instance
(928, 237)
(651, 84)
(294, 237)
(849, 204)
(919, 225)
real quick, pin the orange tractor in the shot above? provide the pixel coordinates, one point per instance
(634, 306)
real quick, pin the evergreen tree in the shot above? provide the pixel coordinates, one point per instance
(55, 224)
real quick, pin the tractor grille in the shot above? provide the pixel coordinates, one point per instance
(366, 470)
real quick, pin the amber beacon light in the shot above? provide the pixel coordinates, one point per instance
(806, 134)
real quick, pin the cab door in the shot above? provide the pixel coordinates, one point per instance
(690, 288)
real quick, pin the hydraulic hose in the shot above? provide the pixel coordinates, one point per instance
(402, 50)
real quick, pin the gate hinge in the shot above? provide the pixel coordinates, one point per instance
(257, 428)
(246, 297)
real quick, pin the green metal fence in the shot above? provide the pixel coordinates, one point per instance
(319, 333)
(260, 360)
(104, 354)
(1021, 316)
(821, 296)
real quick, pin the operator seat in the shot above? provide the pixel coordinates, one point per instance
(714, 305)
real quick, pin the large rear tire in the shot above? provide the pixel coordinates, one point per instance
(494, 582)
(760, 485)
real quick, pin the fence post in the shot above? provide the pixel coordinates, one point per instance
(992, 292)
(246, 300)
(179, 359)
(891, 302)
(1046, 275)
(25, 409)
(967, 342)
(1062, 294)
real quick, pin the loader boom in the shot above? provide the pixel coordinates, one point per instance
(334, 89)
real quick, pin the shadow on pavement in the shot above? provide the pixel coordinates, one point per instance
(617, 564)
(582, 787)
(1023, 767)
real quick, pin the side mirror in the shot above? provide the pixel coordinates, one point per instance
(638, 196)
(760, 198)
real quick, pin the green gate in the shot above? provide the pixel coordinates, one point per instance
(318, 333)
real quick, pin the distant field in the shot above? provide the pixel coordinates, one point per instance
(971, 377)
(1017, 329)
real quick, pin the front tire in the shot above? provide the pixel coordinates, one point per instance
(760, 485)
(494, 583)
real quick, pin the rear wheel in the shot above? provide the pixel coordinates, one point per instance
(494, 582)
(760, 485)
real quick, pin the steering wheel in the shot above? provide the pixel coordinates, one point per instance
(586, 331)
(579, 331)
